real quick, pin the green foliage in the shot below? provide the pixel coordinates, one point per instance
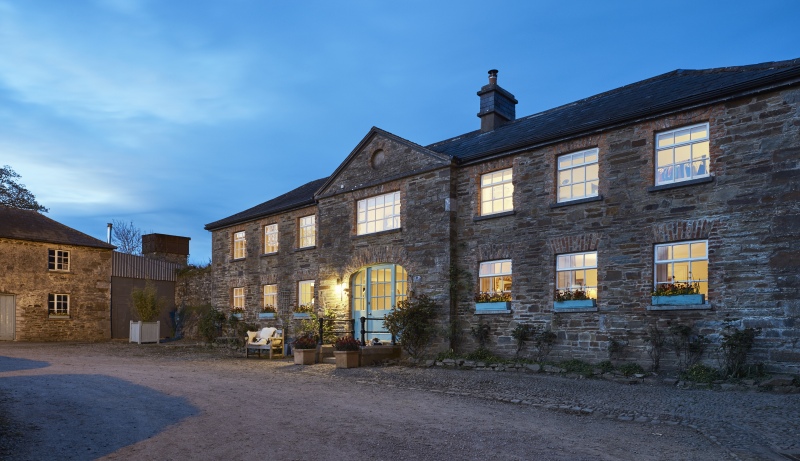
(688, 346)
(329, 335)
(630, 369)
(211, 321)
(700, 373)
(543, 341)
(308, 327)
(483, 355)
(412, 324)
(606, 366)
(449, 354)
(522, 333)
(304, 309)
(656, 340)
(481, 333)
(577, 294)
(677, 289)
(735, 346)
(577, 366)
(146, 303)
(484, 297)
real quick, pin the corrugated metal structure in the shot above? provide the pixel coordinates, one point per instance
(139, 267)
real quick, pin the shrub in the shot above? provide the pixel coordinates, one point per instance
(146, 302)
(305, 342)
(630, 369)
(347, 343)
(543, 341)
(522, 333)
(481, 333)
(577, 366)
(700, 373)
(735, 346)
(412, 324)
(606, 366)
(655, 340)
(483, 355)
(210, 325)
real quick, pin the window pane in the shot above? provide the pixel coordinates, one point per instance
(699, 270)
(665, 139)
(592, 172)
(699, 132)
(591, 278)
(698, 250)
(664, 157)
(564, 192)
(591, 156)
(683, 154)
(565, 161)
(700, 150)
(590, 259)
(682, 136)
(565, 177)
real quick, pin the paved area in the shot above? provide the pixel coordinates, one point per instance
(121, 401)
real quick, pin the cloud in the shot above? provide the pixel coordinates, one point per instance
(125, 68)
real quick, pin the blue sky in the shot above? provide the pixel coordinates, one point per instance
(173, 114)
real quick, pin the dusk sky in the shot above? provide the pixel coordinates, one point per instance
(173, 114)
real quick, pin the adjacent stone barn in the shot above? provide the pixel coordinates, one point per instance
(670, 202)
(55, 282)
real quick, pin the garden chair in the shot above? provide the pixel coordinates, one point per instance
(270, 339)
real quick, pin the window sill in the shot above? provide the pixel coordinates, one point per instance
(233, 260)
(678, 307)
(58, 317)
(274, 253)
(675, 185)
(313, 247)
(372, 234)
(495, 215)
(597, 198)
(59, 271)
(489, 311)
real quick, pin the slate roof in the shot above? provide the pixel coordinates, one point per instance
(674, 90)
(300, 197)
(33, 226)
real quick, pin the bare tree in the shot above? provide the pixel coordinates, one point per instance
(14, 194)
(126, 236)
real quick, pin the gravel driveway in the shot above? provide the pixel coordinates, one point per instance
(120, 401)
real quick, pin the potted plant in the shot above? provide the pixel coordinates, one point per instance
(305, 350)
(267, 312)
(147, 306)
(237, 312)
(677, 294)
(303, 311)
(498, 301)
(347, 351)
(573, 299)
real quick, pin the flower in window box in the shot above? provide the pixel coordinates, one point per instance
(677, 289)
(304, 309)
(237, 310)
(269, 309)
(496, 297)
(577, 294)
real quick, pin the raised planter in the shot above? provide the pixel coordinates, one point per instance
(301, 315)
(678, 300)
(499, 307)
(575, 304)
(266, 315)
(144, 332)
(347, 359)
(305, 356)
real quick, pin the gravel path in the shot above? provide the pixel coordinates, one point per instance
(119, 401)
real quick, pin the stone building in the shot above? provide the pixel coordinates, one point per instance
(690, 177)
(55, 282)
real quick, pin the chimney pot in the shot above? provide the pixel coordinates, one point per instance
(497, 105)
(493, 77)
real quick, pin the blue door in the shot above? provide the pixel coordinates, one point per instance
(376, 290)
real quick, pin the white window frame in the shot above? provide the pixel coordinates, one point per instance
(497, 192)
(239, 297)
(270, 238)
(578, 169)
(271, 296)
(688, 138)
(58, 260)
(58, 304)
(377, 214)
(307, 235)
(239, 245)
(494, 273)
(669, 260)
(565, 266)
(305, 293)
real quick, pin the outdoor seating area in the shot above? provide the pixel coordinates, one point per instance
(267, 339)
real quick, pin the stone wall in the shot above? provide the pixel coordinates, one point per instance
(88, 284)
(748, 213)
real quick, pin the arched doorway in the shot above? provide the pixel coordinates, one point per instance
(376, 290)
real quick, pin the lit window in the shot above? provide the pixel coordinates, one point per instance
(578, 175)
(271, 296)
(379, 213)
(58, 304)
(577, 271)
(305, 293)
(271, 238)
(497, 192)
(682, 155)
(239, 245)
(238, 298)
(308, 231)
(58, 260)
(684, 263)
(495, 277)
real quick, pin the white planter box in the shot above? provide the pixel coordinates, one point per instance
(145, 332)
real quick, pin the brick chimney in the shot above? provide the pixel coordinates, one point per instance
(497, 105)
(170, 248)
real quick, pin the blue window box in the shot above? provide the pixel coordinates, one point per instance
(678, 300)
(266, 315)
(496, 307)
(575, 305)
(238, 315)
(301, 315)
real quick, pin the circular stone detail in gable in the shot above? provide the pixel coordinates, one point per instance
(378, 159)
